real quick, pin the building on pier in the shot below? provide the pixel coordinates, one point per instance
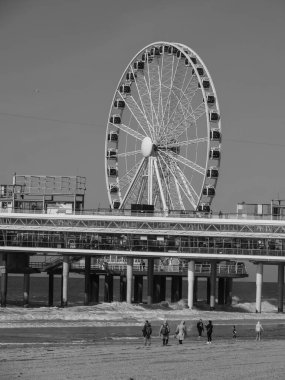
(189, 238)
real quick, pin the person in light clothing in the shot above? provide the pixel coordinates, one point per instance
(258, 329)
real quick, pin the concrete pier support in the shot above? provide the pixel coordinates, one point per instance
(117, 288)
(101, 289)
(208, 289)
(130, 262)
(65, 274)
(26, 289)
(229, 291)
(213, 285)
(176, 288)
(94, 293)
(87, 280)
(191, 276)
(150, 281)
(4, 280)
(195, 289)
(168, 287)
(123, 288)
(138, 289)
(280, 287)
(50, 288)
(221, 291)
(259, 280)
(108, 287)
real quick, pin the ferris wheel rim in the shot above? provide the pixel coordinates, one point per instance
(139, 136)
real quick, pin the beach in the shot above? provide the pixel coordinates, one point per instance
(105, 341)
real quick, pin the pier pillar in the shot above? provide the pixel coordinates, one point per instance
(26, 289)
(213, 277)
(168, 287)
(123, 288)
(144, 289)
(280, 287)
(101, 297)
(208, 288)
(195, 289)
(138, 289)
(4, 280)
(65, 274)
(87, 280)
(176, 288)
(108, 287)
(50, 288)
(259, 279)
(150, 269)
(117, 288)
(191, 276)
(229, 291)
(130, 262)
(94, 287)
(221, 291)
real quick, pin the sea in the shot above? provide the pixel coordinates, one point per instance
(118, 321)
(243, 292)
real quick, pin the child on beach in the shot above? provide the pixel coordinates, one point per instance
(258, 329)
(234, 332)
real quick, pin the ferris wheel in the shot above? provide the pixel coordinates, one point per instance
(163, 137)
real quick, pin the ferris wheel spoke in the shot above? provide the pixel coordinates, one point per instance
(171, 167)
(166, 78)
(186, 162)
(133, 182)
(166, 181)
(137, 113)
(190, 189)
(159, 184)
(126, 179)
(167, 106)
(152, 86)
(145, 100)
(199, 111)
(174, 134)
(177, 85)
(129, 131)
(128, 154)
(183, 143)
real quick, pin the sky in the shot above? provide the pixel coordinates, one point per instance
(61, 61)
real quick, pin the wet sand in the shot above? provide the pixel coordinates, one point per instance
(119, 353)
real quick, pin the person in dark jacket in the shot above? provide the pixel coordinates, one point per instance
(164, 333)
(209, 328)
(200, 328)
(147, 331)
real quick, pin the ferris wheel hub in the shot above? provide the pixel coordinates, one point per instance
(147, 146)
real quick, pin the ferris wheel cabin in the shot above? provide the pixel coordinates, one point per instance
(119, 104)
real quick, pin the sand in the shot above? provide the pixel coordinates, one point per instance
(105, 342)
(126, 360)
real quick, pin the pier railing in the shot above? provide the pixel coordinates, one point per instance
(170, 214)
(231, 269)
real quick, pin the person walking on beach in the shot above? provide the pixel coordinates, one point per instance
(180, 332)
(209, 328)
(234, 333)
(164, 333)
(200, 328)
(258, 329)
(147, 331)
